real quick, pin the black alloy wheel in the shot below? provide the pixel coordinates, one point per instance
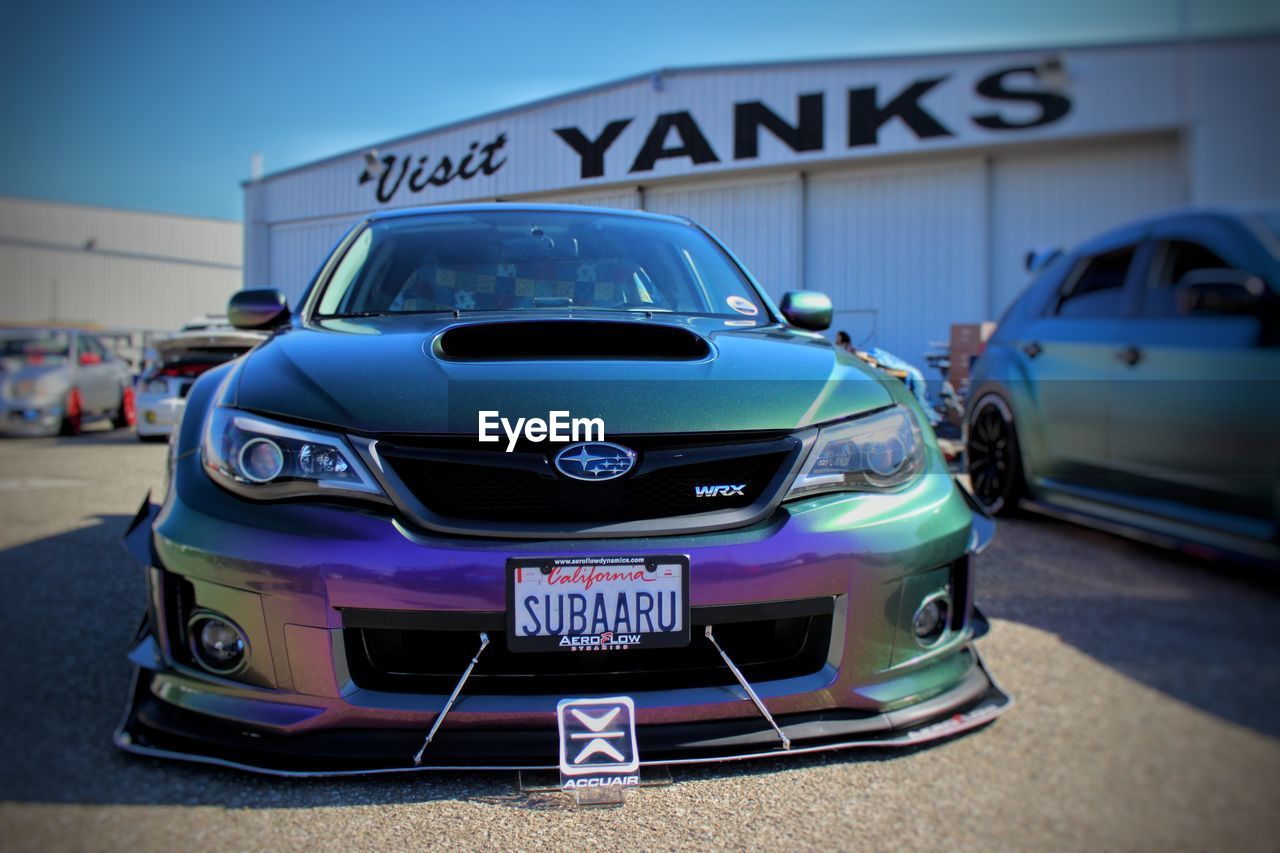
(993, 458)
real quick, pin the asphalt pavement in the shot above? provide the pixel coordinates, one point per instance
(1147, 687)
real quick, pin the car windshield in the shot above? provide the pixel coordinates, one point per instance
(34, 346)
(531, 260)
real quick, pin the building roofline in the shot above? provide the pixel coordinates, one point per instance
(101, 208)
(751, 66)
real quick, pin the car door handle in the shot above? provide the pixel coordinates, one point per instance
(1032, 349)
(1130, 355)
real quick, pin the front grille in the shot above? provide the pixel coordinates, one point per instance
(765, 647)
(497, 486)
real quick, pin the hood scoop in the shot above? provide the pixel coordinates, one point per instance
(553, 340)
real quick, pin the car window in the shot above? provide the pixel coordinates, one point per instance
(33, 345)
(93, 345)
(1178, 258)
(531, 260)
(1097, 287)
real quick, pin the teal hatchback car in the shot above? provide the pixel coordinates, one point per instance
(1133, 387)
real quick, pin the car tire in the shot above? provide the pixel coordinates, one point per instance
(126, 413)
(993, 457)
(72, 415)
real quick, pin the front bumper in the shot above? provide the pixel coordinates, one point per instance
(30, 418)
(287, 574)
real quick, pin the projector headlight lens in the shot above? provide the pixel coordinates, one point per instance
(877, 453)
(260, 458)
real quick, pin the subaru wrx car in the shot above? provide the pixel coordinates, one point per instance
(1132, 387)
(500, 457)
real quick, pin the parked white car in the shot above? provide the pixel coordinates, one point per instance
(177, 361)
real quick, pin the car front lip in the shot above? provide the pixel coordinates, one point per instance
(152, 728)
(318, 560)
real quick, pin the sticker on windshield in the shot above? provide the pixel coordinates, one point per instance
(742, 305)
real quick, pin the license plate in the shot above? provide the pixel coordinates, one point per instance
(596, 604)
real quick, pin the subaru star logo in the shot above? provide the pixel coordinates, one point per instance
(595, 460)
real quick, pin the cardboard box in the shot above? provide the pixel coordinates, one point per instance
(967, 340)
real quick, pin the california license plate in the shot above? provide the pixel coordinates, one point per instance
(595, 604)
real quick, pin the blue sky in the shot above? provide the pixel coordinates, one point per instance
(160, 106)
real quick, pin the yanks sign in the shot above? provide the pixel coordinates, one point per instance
(1010, 99)
(867, 113)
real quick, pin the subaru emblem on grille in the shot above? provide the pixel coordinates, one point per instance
(595, 460)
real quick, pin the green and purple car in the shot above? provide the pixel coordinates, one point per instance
(502, 456)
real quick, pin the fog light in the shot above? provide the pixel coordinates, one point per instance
(217, 644)
(930, 622)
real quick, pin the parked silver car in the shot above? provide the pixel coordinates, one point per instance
(56, 380)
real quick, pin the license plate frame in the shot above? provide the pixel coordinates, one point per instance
(552, 642)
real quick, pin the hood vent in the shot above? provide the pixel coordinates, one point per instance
(570, 339)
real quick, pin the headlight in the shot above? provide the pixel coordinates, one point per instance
(25, 388)
(156, 386)
(873, 454)
(260, 458)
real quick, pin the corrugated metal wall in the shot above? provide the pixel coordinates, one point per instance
(1060, 196)
(113, 268)
(298, 250)
(900, 250)
(758, 220)
(627, 199)
(904, 250)
(909, 233)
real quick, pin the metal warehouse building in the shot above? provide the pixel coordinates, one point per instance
(909, 189)
(118, 269)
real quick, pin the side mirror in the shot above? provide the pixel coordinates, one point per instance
(1222, 291)
(807, 309)
(258, 308)
(88, 358)
(1037, 259)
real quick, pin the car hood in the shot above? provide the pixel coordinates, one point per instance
(664, 374)
(16, 371)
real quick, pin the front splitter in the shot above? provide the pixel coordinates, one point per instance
(155, 728)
